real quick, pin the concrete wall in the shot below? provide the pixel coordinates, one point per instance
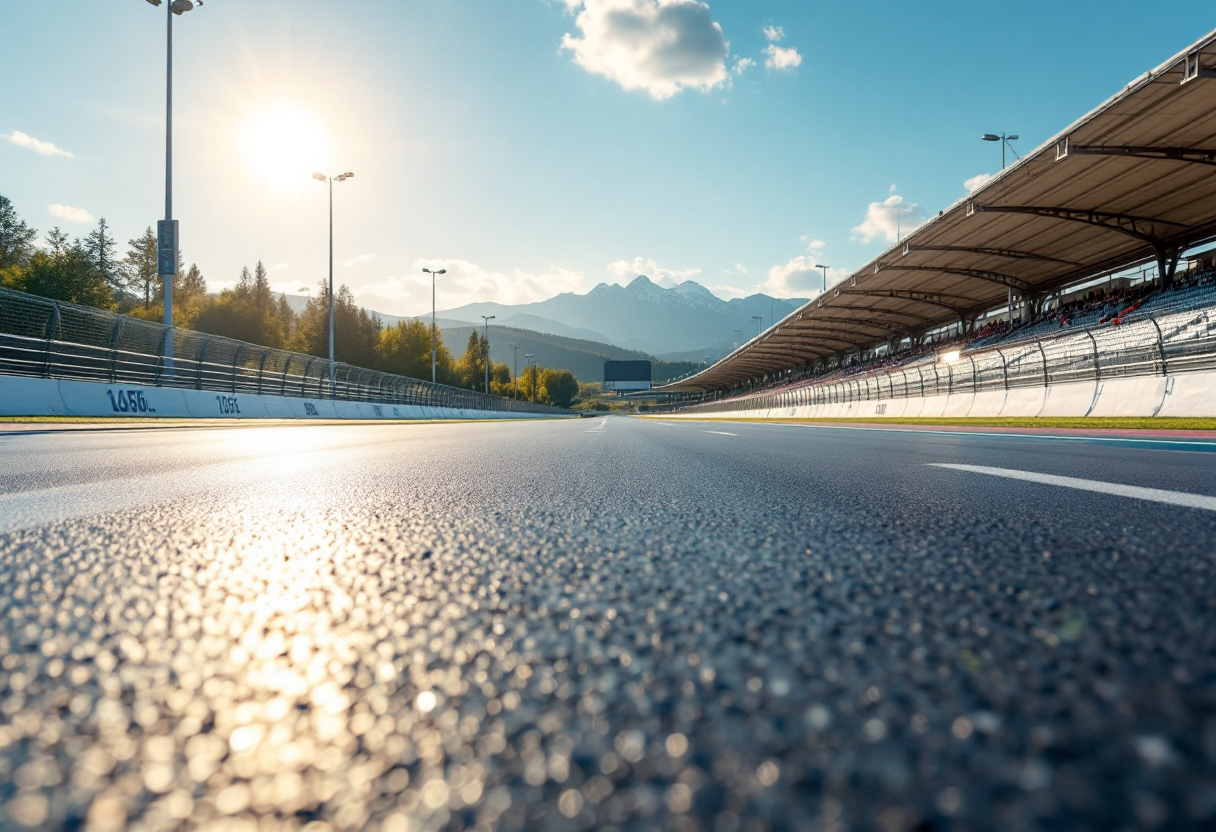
(55, 397)
(1192, 394)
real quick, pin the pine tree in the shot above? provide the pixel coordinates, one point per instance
(57, 240)
(99, 246)
(16, 238)
(140, 265)
(194, 285)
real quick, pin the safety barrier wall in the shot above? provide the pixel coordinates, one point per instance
(22, 396)
(46, 339)
(1156, 366)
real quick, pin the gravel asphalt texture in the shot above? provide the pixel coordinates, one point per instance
(605, 623)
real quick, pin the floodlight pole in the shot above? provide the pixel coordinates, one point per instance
(515, 348)
(167, 279)
(433, 274)
(329, 181)
(738, 334)
(487, 319)
(825, 275)
(1004, 140)
(759, 324)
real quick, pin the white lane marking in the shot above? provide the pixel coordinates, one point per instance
(1155, 495)
(1182, 443)
(721, 433)
(598, 428)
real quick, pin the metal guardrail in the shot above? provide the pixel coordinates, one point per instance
(51, 339)
(1180, 342)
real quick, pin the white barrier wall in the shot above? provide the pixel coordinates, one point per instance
(1192, 394)
(55, 397)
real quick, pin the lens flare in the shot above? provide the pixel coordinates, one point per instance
(285, 144)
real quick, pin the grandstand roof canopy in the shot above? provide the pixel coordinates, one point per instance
(1132, 181)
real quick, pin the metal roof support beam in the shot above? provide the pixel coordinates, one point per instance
(989, 252)
(920, 319)
(1128, 224)
(978, 274)
(879, 325)
(931, 298)
(1193, 155)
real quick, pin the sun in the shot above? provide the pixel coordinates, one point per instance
(285, 145)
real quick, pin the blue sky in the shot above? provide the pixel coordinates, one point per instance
(539, 146)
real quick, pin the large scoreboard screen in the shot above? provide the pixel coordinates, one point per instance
(626, 375)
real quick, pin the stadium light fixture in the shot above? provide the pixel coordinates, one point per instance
(1005, 142)
(433, 274)
(759, 324)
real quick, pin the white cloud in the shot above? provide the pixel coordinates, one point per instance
(774, 33)
(800, 278)
(629, 269)
(977, 181)
(782, 59)
(465, 283)
(44, 148)
(660, 46)
(742, 65)
(359, 258)
(69, 214)
(890, 220)
(740, 268)
(814, 246)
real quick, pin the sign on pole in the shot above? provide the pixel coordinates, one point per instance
(166, 247)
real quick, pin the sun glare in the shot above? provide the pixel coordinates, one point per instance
(285, 145)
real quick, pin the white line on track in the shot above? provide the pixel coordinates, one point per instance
(1182, 444)
(1155, 495)
(721, 433)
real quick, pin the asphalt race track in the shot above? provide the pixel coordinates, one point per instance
(605, 623)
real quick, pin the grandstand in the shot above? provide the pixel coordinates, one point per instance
(1028, 259)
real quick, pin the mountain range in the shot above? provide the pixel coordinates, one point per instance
(684, 322)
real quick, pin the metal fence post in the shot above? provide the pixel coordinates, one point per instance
(198, 363)
(1043, 353)
(286, 367)
(160, 353)
(52, 325)
(1097, 366)
(1004, 367)
(1160, 345)
(261, 369)
(115, 334)
(236, 362)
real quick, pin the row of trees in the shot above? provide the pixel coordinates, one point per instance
(89, 271)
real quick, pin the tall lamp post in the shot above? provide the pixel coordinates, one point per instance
(487, 319)
(738, 334)
(759, 324)
(330, 180)
(433, 275)
(528, 363)
(825, 276)
(166, 229)
(1004, 140)
(515, 349)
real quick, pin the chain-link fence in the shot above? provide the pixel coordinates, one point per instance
(51, 339)
(1161, 344)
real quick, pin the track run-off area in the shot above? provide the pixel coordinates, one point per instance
(605, 623)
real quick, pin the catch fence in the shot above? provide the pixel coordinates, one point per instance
(1168, 344)
(51, 339)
